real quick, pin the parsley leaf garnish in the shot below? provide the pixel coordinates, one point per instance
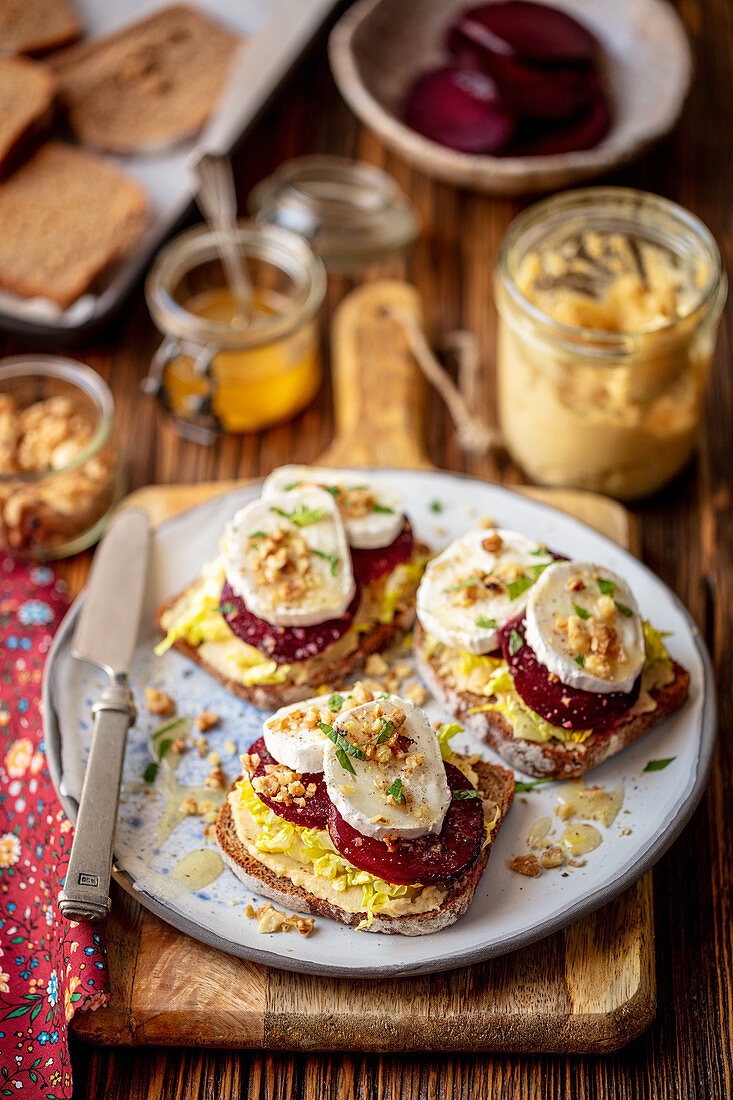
(396, 791)
(517, 587)
(343, 747)
(150, 772)
(520, 785)
(580, 611)
(256, 535)
(385, 733)
(607, 587)
(458, 796)
(486, 624)
(332, 559)
(436, 506)
(301, 516)
(334, 490)
(226, 609)
(469, 582)
(174, 722)
(515, 642)
(626, 611)
(580, 660)
(659, 765)
(376, 507)
(539, 552)
(293, 485)
(335, 702)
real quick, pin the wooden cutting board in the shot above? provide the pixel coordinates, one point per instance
(588, 988)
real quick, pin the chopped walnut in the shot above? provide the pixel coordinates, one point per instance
(282, 561)
(202, 745)
(487, 521)
(354, 503)
(605, 607)
(525, 865)
(47, 438)
(207, 720)
(375, 665)
(283, 785)
(216, 779)
(210, 817)
(575, 583)
(230, 747)
(213, 759)
(178, 746)
(158, 702)
(250, 762)
(189, 806)
(553, 857)
(492, 543)
(270, 919)
(417, 693)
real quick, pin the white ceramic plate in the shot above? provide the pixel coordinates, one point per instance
(380, 47)
(509, 911)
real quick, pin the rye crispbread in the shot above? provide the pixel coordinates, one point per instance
(150, 84)
(27, 91)
(36, 26)
(495, 783)
(66, 216)
(558, 759)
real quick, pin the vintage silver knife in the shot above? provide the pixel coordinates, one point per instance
(105, 635)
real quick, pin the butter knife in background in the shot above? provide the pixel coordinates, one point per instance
(105, 635)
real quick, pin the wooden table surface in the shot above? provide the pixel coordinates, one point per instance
(687, 537)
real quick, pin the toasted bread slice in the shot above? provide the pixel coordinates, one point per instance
(313, 673)
(27, 91)
(66, 215)
(495, 783)
(558, 759)
(37, 26)
(150, 84)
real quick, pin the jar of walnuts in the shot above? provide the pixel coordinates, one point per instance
(59, 475)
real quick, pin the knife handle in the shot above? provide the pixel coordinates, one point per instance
(85, 896)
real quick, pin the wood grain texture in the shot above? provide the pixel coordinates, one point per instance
(687, 538)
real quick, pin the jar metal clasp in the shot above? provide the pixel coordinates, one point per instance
(201, 423)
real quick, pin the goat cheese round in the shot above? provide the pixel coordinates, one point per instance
(287, 557)
(387, 778)
(584, 626)
(292, 734)
(479, 582)
(371, 509)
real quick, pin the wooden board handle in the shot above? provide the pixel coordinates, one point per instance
(378, 389)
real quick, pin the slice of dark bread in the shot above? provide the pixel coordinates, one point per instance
(67, 215)
(558, 759)
(495, 783)
(37, 26)
(27, 91)
(152, 83)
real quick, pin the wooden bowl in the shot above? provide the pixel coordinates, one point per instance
(379, 47)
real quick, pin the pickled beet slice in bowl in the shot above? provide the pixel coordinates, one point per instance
(581, 133)
(314, 814)
(525, 31)
(284, 644)
(428, 859)
(541, 93)
(568, 707)
(460, 109)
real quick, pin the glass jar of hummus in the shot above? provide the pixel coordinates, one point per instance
(609, 301)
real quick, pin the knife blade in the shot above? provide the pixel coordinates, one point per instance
(105, 635)
(106, 631)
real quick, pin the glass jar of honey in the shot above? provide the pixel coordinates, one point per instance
(609, 301)
(217, 371)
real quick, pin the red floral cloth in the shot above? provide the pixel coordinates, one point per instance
(49, 967)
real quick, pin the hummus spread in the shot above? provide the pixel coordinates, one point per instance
(616, 411)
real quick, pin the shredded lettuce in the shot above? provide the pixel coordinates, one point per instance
(404, 576)
(654, 647)
(313, 847)
(446, 732)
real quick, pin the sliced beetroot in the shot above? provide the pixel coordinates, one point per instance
(570, 708)
(370, 565)
(525, 31)
(283, 643)
(535, 92)
(584, 132)
(460, 109)
(434, 858)
(314, 814)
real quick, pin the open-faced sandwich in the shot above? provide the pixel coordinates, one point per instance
(546, 660)
(311, 578)
(354, 808)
